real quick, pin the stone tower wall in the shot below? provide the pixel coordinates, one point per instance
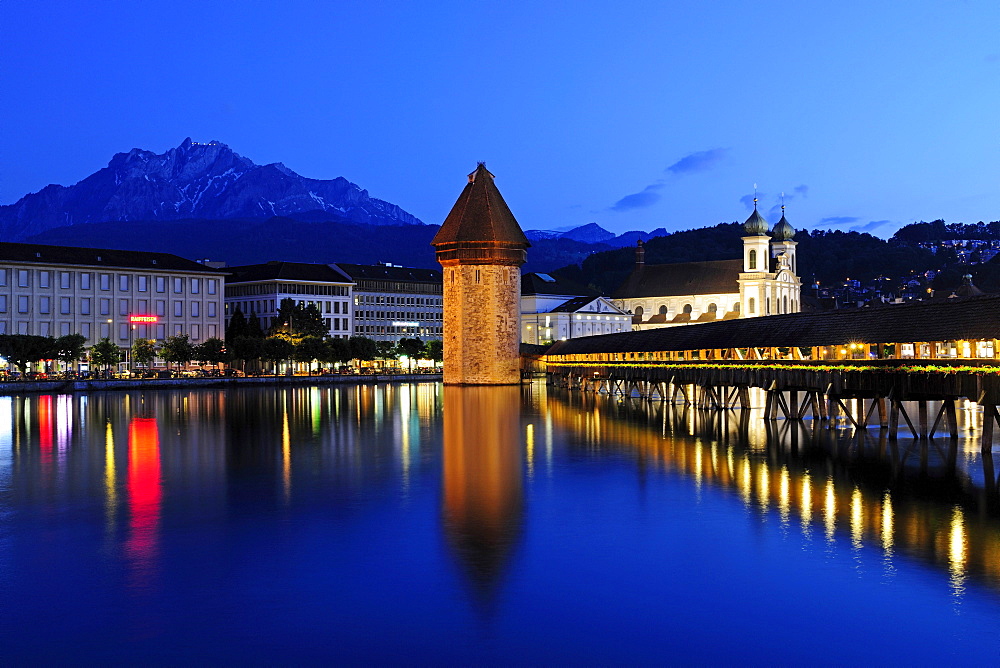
(482, 324)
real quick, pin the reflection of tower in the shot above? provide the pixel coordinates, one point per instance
(481, 248)
(482, 478)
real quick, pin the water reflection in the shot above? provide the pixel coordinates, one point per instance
(909, 498)
(481, 463)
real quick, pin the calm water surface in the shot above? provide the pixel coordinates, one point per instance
(419, 524)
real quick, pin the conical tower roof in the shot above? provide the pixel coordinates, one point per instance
(480, 215)
(756, 225)
(480, 227)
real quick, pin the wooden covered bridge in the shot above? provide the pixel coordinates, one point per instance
(862, 364)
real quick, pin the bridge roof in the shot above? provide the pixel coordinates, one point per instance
(954, 319)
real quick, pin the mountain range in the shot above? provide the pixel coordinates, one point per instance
(195, 180)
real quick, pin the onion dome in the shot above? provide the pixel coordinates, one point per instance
(968, 289)
(782, 230)
(756, 225)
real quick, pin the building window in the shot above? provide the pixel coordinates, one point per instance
(195, 309)
(122, 307)
(178, 286)
(3, 303)
(23, 278)
(195, 286)
(752, 305)
(123, 332)
(65, 280)
(85, 279)
(736, 307)
(752, 263)
(105, 330)
(3, 277)
(195, 332)
(85, 330)
(212, 286)
(65, 305)
(713, 309)
(688, 309)
(161, 332)
(43, 279)
(785, 300)
(143, 306)
(64, 329)
(23, 304)
(161, 307)
(45, 329)
(85, 306)
(123, 283)
(105, 306)
(22, 327)
(105, 281)
(767, 311)
(43, 304)
(211, 310)
(179, 309)
(213, 331)
(161, 284)
(142, 283)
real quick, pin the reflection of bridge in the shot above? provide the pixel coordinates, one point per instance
(862, 364)
(908, 496)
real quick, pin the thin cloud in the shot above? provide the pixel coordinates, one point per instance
(698, 161)
(839, 220)
(802, 190)
(870, 226)
(747, 200)
(640, 200)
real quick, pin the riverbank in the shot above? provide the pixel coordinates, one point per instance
(91, 385)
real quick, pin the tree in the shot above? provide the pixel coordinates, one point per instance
(274, 349)
(24, 349)
(105, 353)
(412, 348)
(363, 349)
(434, 350)
(308, 349)
(212, 351)
(143, 351)
(336, 351)
(386, 350)
(70, 348)
(295, 322)
(245, 348)
(237, 325)
(177, 349)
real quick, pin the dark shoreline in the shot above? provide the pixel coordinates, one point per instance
(63, 386)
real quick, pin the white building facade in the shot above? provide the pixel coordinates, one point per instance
(257, 290)
(556, 309)
(100, 293)
(392, 302)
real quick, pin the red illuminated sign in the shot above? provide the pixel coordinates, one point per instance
(142, 318)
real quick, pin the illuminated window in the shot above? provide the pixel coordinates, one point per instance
(752, 263)
(752, 305)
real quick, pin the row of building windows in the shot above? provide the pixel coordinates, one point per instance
(389, 286)
(396, 329)
(267, 306)
(84, 306)
(399, 314)
(125, 332)
(398, 301)
(67, 280)
(287, 288)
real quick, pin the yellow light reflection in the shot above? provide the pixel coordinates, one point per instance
(110, 475)
(286, 456)
(784, 494)
(697, 467)
(957, 548)
(529, 438)
(762, 493)
(806, 503)
(857, 519)
(746, 481)
(830, 510)
(887, 524)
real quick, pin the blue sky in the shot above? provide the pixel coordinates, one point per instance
(634, 115)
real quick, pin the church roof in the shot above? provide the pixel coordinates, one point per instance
(480, 215)
(682, 278)
(755, 224)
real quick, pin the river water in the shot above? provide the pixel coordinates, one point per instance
(415, 524)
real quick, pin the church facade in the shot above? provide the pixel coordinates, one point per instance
(763, 282)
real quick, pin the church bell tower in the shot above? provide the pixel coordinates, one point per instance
(481, 249)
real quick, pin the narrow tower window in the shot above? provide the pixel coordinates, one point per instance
(752, 264)
(752, 306)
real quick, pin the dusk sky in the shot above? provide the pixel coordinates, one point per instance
(634, 115)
